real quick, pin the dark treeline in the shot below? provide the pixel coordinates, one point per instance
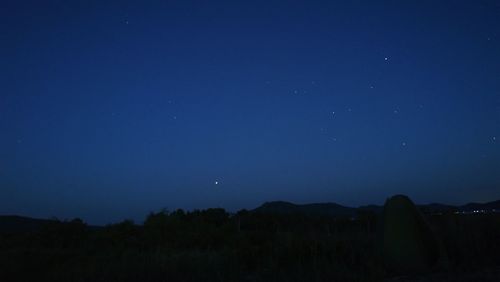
(213, 245)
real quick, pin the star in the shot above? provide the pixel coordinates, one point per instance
(386, 59)
(494, 138)
(403, 144)
(216, 182)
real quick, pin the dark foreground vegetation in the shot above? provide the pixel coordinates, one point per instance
(212, 245)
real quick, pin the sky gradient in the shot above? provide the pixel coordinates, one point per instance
(112, 109)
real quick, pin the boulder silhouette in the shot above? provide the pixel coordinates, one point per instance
(407, 243)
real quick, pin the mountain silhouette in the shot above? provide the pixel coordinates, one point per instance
(14, 223)
(495, 205)
(319, 209)
(334, 209)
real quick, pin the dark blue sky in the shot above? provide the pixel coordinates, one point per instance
(109, 110)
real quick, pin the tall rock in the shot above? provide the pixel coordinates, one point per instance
(407, 243)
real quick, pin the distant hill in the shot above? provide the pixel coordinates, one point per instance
(495, 205)
(323, 209)
(14, 223)
(373, 208)
(333, 209)
(437, 208)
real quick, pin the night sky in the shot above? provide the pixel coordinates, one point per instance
(112, 109)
